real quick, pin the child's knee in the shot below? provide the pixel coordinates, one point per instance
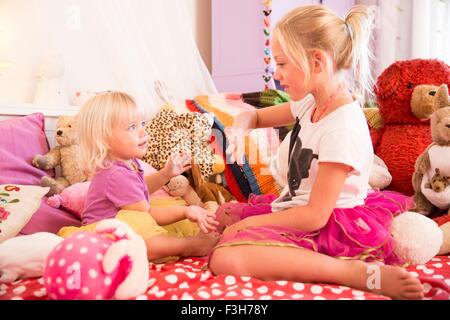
(223, 262)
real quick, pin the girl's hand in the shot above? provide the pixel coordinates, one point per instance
(206, 220)
(177, 164)
(242, 126)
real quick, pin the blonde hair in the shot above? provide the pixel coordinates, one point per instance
(97, 117)
(345, 41)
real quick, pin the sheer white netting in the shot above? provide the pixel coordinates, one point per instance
(128, 45)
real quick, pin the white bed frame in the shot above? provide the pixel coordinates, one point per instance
(51, 114)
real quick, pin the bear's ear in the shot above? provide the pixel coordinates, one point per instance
(388, 82)
(442, 97)
(62, 120)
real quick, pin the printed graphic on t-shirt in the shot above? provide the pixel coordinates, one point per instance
(299, 164)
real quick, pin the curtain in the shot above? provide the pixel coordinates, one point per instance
(407, 29)
(129, 45)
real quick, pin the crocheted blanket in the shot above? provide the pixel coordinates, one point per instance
(254, 176)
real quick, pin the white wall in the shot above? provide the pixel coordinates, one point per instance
(200, 11)
(19, 32)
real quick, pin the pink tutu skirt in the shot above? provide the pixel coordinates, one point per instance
(361, 232)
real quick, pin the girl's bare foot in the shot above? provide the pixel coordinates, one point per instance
(394, 282)
(201, 244)
(398, 283)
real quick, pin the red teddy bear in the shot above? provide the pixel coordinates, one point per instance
(404, 93)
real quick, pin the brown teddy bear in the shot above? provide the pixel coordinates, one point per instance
(195, 190)
(434, 160)
(65, 156)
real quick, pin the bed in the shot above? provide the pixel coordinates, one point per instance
(190, 279)
(22, 138)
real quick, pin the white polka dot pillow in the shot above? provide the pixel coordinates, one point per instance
(18, 203)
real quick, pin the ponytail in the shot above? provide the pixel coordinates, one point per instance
(357, 54)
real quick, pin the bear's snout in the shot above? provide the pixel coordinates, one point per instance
(59, 133)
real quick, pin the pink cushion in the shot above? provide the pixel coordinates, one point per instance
(48, 219)
(21, 139)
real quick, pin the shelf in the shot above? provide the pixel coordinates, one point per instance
(29, 108)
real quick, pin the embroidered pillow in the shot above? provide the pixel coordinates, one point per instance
(17, 204)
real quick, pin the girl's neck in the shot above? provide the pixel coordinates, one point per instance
(128, 162)
(328, 98)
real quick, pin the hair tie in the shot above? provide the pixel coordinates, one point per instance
(349, 29)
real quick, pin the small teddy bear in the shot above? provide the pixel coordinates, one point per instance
(65, 155)
(179, 186)
(438, 182)
(435, 159)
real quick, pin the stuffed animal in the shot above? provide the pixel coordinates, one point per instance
(179, 186)
(71, 198)
(435, 159)
(110, 263)
(24, 256)
(218, 170)
(405, 94)
(207, 191)
(417, 238)
(65, 156)
(189, 132)
(195, 190)
(438, 182)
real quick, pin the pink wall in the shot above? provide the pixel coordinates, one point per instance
(238, 39)
(237, 45)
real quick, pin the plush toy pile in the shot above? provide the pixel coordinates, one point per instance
(406, 93)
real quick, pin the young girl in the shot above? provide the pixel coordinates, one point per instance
(324, 226)
(112, 136)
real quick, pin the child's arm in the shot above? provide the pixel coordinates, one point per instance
(205, 219)
(156, 180)
(177, 164)
(167, 215)
(263, 118)
(313, 216)
(246, 121)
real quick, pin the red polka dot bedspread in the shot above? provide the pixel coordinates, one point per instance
(190, 279)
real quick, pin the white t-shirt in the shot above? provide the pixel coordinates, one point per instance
(342, 137)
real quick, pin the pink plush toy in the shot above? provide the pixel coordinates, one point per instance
(71, 198)
(108, 264)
